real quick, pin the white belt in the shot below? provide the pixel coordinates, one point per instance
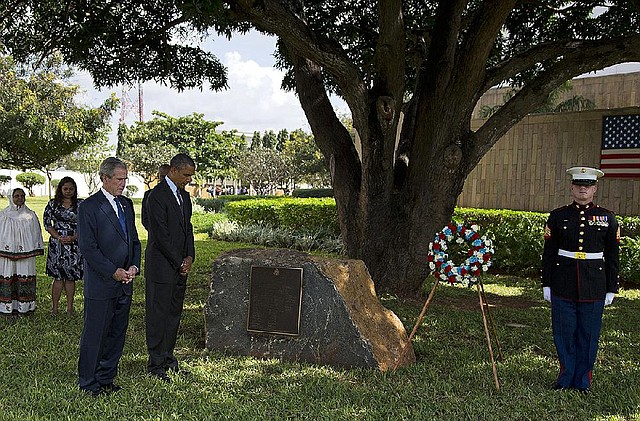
(580, 255)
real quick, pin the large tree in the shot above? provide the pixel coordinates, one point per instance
(426, 60)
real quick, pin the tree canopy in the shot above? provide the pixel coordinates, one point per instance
(147, 145)
(410, 71)
(39, 119)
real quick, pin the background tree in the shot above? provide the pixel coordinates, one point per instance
(269, 140)
(256, 140)
(29, 180)
(147, 145)
(39, 119)
(263, 169)
(86, 160)
(307, 165)
(144, 146)
(3, 180)
(281, 138)
(428, 60)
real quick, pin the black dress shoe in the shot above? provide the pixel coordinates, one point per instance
(93, 392)
(557, 386)
(110, 388)
(162, 376)
(180, 371)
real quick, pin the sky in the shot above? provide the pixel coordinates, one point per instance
(253, 101)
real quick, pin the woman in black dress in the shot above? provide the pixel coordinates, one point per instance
(64, 263)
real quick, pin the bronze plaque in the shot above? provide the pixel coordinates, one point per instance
(275, 300)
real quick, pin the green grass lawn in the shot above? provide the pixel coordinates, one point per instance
(451, 380)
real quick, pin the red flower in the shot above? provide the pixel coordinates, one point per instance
(475, 236)
(441, 236)
(436, 246)
(430, 258)
(486, 257)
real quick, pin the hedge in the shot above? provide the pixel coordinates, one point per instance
(312, 193)
(218, 204)
(518, 236)
(314, 214)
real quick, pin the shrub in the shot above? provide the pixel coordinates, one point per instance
(518, 236)
(218, 204)
(30, 179)
(225, 230)
(204, 222)
(629, 260)
(305, 193)
(298, 214)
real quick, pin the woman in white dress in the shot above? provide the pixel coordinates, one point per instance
(20, 243)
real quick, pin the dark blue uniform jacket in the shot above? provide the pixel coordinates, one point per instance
(581, 228)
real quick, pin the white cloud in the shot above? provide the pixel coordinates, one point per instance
(253, 100)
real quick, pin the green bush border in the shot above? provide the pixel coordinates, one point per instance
(518, 236)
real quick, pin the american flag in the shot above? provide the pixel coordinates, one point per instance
(620, 154)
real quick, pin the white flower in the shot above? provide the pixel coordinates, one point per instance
(432, 266)
(475, 227)
(485, 267)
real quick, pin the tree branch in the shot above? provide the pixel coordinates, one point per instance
(479, 41)
(575, 62)
(596, 54)
(390, 50)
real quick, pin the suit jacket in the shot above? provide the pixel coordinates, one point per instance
(143, 213)
(170, 234)
(105, 247)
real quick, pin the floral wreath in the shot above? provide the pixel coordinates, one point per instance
(478, 257)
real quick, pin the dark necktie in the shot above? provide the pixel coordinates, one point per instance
(121, 218)
(180, 200)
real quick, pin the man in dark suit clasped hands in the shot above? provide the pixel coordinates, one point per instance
(109, 244)
(168, 258)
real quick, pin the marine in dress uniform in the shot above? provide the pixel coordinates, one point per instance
(579, 277)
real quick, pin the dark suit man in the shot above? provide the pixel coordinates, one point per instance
(109, 244)
(168, 257)
(163, 170)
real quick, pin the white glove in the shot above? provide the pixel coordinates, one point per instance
(546, 293)
(608, 299)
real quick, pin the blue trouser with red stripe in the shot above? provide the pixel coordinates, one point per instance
(576, 330)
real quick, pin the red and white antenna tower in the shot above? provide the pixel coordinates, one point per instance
(128, 106)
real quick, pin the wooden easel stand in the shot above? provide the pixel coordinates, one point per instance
(484, 308)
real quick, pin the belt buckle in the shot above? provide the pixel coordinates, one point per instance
(580, 255)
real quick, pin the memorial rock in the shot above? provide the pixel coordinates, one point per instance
(342, 322)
